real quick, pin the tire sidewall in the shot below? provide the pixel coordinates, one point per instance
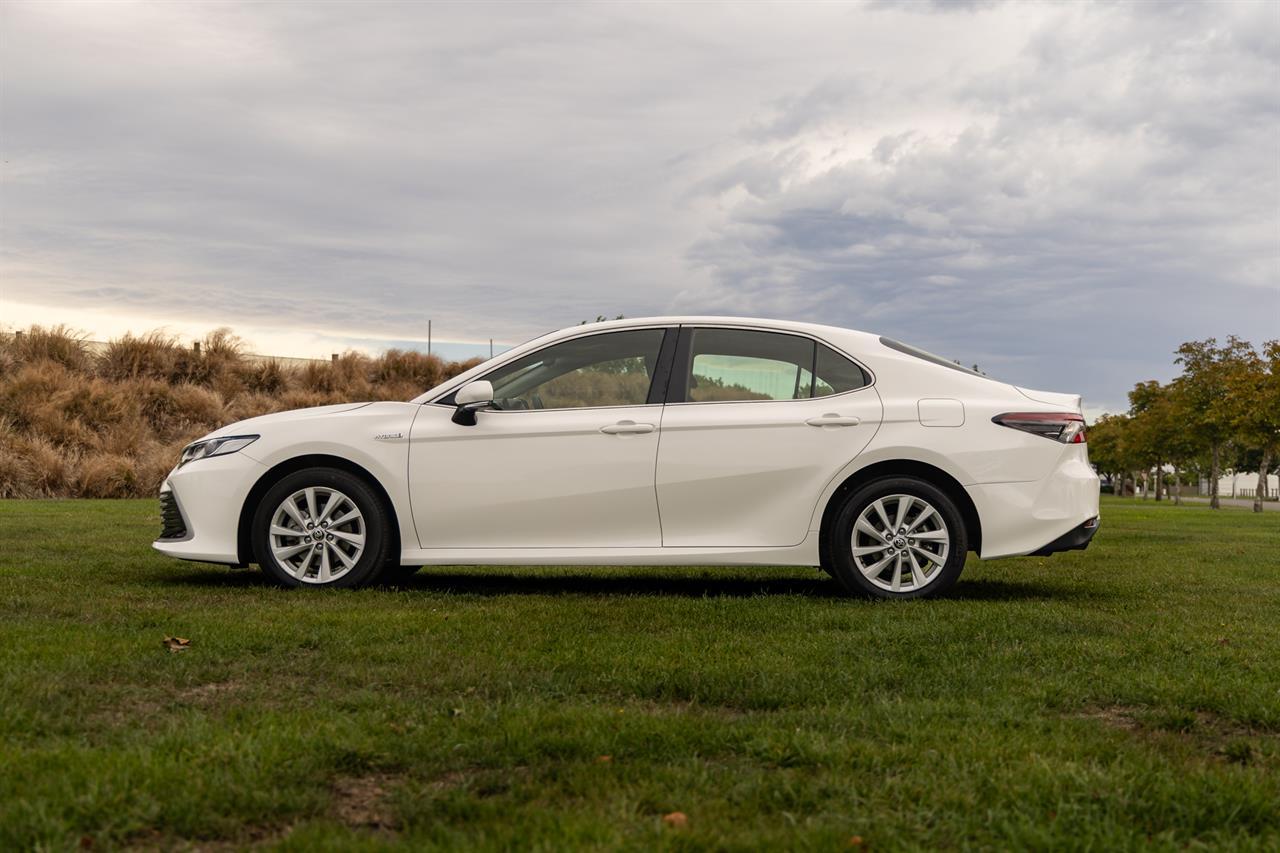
(840, 545)
(377, 535)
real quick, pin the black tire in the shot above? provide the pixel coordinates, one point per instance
(376, 528)
(843, 565)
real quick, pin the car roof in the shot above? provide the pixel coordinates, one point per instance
(817, 329)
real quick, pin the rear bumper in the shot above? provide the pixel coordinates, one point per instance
(1072, 540)
(1019, 518)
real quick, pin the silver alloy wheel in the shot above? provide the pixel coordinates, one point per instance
(900, 543)
(317, 534)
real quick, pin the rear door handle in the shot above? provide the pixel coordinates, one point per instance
(831, 419)
(626, 428)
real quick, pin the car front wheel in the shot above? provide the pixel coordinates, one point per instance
(898, 537)
(320, 527)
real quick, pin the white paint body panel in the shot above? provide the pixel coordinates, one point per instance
(749, 474)
(711, 483)
(535, 479)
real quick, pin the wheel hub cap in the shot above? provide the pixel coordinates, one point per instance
(317, 534)
(900, 543)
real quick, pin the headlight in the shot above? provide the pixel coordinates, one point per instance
(215, 447)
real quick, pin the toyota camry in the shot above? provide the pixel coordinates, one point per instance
(682, 440)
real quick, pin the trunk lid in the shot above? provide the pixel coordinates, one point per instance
(1069, 402)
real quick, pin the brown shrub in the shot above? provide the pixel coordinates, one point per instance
(198, 406)
(154, 355)
(453, 368)
(13, 467)
(305, 399)
(345, 379)
(58, 344)
(107, 475)
(421, 369)
(220, 358)
(399, 389)
(127, 438)
(154, 464)
(265, 377)
(24, 392)
(13, 473)
(250, 406)
(38, 469)
(95, 403)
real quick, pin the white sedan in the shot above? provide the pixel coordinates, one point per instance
(671, 441)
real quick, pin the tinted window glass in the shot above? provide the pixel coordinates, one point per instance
(836, 374)
(611, 369)
(734, 364)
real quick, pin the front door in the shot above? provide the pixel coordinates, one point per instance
(565, 458)
(757, 425)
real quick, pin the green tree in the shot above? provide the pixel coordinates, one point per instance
(1108, 449)
(1147, 427)
(1207, 371)
(1253, 388)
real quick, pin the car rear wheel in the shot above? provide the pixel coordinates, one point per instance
(320, 527)
(898, 537)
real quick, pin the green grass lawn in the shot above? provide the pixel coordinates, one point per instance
(1123, 697)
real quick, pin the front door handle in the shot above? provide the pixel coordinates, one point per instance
(626, 428)
(831, 419)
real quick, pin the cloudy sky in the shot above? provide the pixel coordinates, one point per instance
(1059, 193)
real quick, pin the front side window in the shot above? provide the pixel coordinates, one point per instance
(610, 369)
(732, 365)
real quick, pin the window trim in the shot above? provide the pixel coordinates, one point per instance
(682, 367)
(665, 352)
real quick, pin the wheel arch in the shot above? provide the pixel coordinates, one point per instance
(244, 545)
(899, 468)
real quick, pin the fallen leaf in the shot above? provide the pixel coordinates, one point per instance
(678, 820)
(175, 644)
(1223, 641)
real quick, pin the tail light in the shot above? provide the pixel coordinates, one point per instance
(1066, 427)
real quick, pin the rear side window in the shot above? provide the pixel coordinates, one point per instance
(737, 365)
(836, 374)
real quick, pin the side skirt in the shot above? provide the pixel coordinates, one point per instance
(804, 554)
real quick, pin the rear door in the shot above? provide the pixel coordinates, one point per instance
(757, 423)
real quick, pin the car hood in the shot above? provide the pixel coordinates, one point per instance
(258, 424)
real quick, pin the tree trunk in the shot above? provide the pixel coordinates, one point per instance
(1177, 486)
(1159, 481)
(1261, 492)
(1213, 478)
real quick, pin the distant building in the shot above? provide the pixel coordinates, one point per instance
(1241, 485)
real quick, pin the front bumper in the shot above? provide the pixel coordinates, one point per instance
(1072, 540)
(207, 495)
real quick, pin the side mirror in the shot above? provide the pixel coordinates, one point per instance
(470, 399)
